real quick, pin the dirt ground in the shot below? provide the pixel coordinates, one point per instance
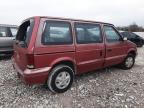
(106, 88)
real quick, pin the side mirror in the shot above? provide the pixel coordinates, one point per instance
(125, 38)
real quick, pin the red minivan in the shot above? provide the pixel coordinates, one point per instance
(52, 50)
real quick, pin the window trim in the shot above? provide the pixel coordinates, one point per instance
(116, 33)
(57, 43)
(101, 35)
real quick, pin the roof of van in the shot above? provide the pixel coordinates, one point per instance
(8, 25)
(50, 17)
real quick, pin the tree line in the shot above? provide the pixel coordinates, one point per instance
(132, 28)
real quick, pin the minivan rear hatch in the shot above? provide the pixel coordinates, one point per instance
(23, 54)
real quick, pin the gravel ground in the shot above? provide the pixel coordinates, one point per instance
(106, 88)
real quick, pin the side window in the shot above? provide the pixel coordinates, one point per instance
(3, 32)
(111, 34)
(88, 33)
(57, 32)
(13, 31)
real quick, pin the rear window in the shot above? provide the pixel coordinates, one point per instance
(25, 32)
(56, 33)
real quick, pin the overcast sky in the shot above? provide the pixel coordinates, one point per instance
(118, 12)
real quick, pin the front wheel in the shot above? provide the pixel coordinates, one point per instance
(139, 45)
(128, 62)
(60, 79)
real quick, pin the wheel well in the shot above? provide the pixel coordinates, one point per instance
(133, 53)
(68, 63)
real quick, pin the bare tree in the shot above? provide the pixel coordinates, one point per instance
(132, 27)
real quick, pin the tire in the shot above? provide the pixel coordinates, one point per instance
(138, 45)
(141, 45)
(60, 79)
(126, 63)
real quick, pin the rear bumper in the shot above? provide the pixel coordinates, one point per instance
(32, 76)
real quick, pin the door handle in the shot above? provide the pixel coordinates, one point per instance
(109, 50)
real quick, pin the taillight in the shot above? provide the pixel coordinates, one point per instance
(30, 61)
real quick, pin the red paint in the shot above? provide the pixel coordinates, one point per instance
(85, 57)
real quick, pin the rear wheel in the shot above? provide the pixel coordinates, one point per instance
(60, 79)
(128, 62)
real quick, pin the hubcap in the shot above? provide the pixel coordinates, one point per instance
(129, 62)
(62, 80)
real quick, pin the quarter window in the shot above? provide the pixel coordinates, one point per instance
(111, 34)
(88, 33)
(57, 32)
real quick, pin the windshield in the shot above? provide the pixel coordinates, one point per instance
(25, 32)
